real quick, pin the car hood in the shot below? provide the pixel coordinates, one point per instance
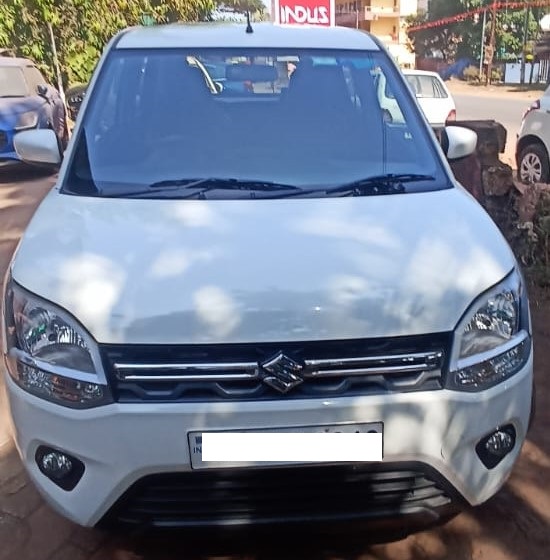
(14, 105)
(165, 271)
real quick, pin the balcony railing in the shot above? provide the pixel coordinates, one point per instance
(367, 13)
(375, 12)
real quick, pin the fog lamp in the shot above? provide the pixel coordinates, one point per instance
(494, 447)
(60, 467)
(56, 464)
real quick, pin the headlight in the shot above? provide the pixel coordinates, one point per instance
(493, 340)
(26, 120)
(49, 354)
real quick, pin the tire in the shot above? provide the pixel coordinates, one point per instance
(533, 164)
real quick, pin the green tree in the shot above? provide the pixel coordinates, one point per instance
(82, 27)
(463, 38)
(242, 6)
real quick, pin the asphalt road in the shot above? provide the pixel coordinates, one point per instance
(505, 110)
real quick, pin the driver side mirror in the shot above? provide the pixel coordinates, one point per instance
(42, 90)
(458, 142)
(38, 146)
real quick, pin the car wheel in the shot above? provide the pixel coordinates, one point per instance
(533, 165)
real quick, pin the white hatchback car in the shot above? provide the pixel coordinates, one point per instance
(533, 142)
(433, 96)
(275, 308)
(431, 93)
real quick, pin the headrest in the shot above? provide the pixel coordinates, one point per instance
(320, 84)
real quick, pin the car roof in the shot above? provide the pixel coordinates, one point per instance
(421, 73)
(12, 61)
(233, 35)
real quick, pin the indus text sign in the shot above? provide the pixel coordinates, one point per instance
(304, 12)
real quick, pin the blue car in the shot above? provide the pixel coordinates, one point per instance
(27, 101)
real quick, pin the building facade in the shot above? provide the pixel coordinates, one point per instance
(383, 18)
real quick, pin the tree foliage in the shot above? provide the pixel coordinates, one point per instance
(242, 6)
(463, 38)
(82, 28)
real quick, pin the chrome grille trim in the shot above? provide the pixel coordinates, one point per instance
(250, 369)
(401, 364)
(257, 371)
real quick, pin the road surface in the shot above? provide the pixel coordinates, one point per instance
(507, 108)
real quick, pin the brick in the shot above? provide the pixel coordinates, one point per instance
(69, 552)
(10, 466)
(19, 497)
(13, 534)
(48, 532)
(88, 540)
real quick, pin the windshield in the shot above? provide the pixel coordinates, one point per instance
(308, 119)
(12, 82)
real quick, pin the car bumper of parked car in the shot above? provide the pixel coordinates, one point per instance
(7, 150)
(136, 459)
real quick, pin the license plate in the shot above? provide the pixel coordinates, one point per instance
(251, 444)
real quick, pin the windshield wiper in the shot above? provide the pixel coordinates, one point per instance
(202, 185)
(389, 183)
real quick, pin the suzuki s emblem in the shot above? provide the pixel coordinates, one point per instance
(282, 372)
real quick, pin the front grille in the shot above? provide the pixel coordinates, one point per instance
(187, 373)
(291, 495)
(3, 140)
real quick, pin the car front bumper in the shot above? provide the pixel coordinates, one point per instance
(133, 450)
(7, 150)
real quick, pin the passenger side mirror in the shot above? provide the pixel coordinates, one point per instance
(458, 142)
(42, 90)
(39, 146)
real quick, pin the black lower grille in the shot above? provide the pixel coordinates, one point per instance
(3, 140)
(290, 495)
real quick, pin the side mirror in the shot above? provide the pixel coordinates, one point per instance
(458, 142)
(218, 86)
(39, 146)
(42, 90)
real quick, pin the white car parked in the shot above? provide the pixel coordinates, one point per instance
(431, 93)
(275, 308)
(433, 96)
(533, 142)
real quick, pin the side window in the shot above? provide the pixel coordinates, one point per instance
(413, 83)
(34, 78)
(438, 89)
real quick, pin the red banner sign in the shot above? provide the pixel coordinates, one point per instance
(304, 12)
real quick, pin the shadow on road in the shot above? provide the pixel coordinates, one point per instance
(19, 172)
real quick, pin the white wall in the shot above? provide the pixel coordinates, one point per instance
(409, 7)
(512, 73)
